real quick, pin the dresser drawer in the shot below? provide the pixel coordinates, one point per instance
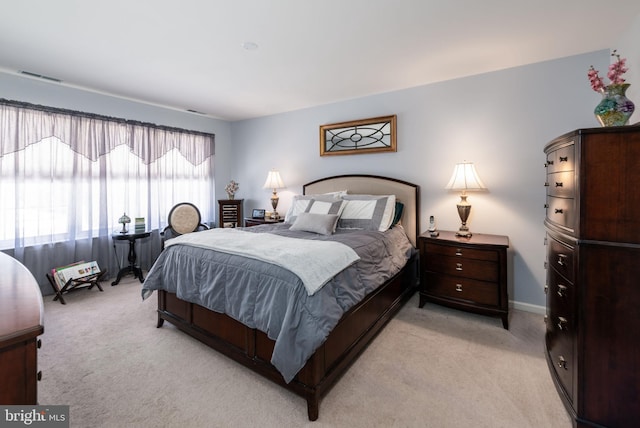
(561, 184)
(561, 211)
(562, 159)
(481, 270)
(461, 251)
(561, 258)
(480, 292)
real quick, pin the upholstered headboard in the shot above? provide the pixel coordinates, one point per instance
(407, 193)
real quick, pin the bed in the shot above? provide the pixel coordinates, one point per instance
(252, 341)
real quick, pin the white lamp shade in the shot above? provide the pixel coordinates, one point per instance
(465, 177)
(273, 181)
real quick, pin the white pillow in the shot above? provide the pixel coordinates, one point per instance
(324, 224)
(368, 212)
(317, 204)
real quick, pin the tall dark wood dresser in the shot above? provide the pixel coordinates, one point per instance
(593, 274)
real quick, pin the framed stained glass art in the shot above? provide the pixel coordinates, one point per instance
(373, 135)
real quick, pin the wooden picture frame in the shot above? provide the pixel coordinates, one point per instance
(373, 135)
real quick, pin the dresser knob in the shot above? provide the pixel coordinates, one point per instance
(458, 266)
(458, 252)
(562, 290)
(561, 259)
(562, 323)
(546, 289)
(458, 287)
(546, 184)
(562, 363)
(39, 375)
(546, 206)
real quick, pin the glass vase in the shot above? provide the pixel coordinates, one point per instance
(615, 109)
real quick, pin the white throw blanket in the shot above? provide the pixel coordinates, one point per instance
(314, 262)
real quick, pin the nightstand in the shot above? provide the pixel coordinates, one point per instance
(465, 273)
(250, 221)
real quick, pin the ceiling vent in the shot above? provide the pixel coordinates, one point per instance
(40, 76)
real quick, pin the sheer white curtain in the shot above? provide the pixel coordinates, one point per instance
(67, 177)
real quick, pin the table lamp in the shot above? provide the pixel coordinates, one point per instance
(274, 182)
(464, 178)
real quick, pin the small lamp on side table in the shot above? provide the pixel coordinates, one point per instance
(464, 178)
(274, 182)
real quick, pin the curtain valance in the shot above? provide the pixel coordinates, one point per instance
(92, 135)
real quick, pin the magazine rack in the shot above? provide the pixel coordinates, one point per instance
(74, 284)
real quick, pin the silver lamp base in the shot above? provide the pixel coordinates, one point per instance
(464, 208)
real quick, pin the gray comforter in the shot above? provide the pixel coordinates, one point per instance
(273, 300)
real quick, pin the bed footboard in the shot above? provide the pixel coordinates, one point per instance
(253, 348)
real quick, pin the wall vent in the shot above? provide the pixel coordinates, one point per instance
(40, 76)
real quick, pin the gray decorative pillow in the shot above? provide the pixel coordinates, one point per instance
(317, 204)
(324, 224)
(368, 212)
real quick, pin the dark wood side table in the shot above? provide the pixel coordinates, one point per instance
(465, 273)
(250, 221)
(132, 268)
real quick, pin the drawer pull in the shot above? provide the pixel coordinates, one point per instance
(39, 375)
(458, 266)
(562, 363)
(564, 158)
(458, 252)
(546, 184)
(458, 287)
(561, 259)
(549, 162)
(39, 344)
(562, 290)
(559, 184)
(559, 210)
(546, 289)
(546, 206)
(562, 323)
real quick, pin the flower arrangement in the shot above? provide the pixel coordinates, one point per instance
(616, 70)
(231, 188)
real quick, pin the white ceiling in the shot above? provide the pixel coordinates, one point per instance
(188, 54)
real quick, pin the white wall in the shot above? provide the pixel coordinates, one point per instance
(501, 121)
(628, 48)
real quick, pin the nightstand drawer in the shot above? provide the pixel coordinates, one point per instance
(460, 251)
(463, 267)
(479, 292)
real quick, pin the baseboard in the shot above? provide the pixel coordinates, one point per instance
(528, 307)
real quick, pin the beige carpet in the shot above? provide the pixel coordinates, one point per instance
(432, 367)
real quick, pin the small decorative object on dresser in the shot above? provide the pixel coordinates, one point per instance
(593, 248)
(615, 108)
(231, 189)
(465, 273)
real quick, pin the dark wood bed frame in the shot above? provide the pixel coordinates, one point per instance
(354, 332)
